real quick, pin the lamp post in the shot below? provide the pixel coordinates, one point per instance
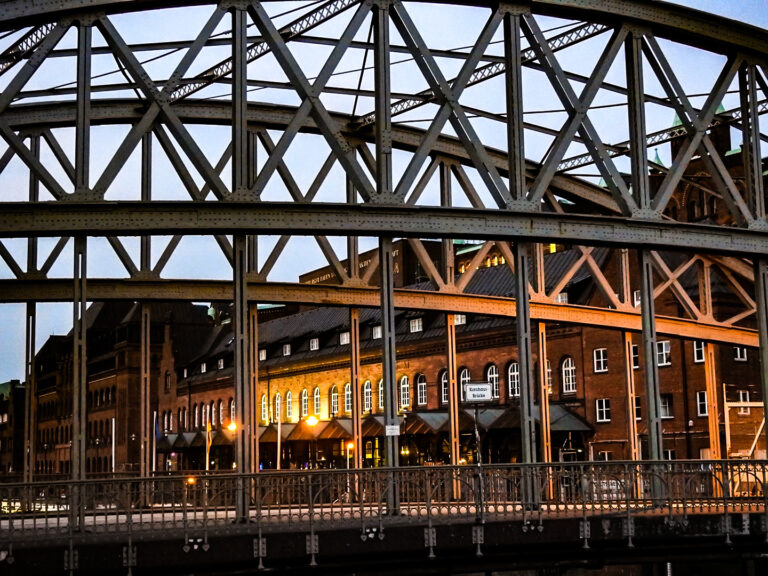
(232, 427)
(350, 447)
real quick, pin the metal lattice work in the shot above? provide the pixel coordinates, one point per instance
(352, 123)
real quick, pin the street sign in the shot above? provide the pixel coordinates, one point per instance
(392, 430)
(477, 392)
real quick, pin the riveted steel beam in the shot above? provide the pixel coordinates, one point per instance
(135, 218)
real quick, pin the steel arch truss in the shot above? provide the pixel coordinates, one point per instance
(421, 141)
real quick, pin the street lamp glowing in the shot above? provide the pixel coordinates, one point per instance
(312, 420)
(350, 446)
(232, 427)
(191, 480)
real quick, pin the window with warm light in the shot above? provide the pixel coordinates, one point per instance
(405, 393)
(304, 403)
(316, 401)
(492, 375)
(416, 325)
(513, 380)
(367, 396)
(421, 390)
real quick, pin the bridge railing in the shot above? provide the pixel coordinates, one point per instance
(322, 499)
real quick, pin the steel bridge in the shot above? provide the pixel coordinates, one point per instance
(111, 150)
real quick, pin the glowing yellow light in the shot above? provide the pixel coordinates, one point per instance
(350, 446)
(312, 420)
(191, 480)
(232, 426)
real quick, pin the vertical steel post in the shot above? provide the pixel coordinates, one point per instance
(240, 164)
(750, 150)
(251, 429)
(354, 382)
(514, 94)
(30, 388)
(146, 196)
(145, 394)
(382, 98)
(546, 434)
(243, 453)
(79, 375)
(30, 394)
(652, 384)
(523, 313)
(629, 386)
(761, 299)
(453, 390)
(389, 364)
(638, 148)
(83, 114)
(713, 412)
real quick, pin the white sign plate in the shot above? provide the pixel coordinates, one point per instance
(477, 392)
(392, 430)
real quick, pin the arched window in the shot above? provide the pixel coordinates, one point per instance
(444, 392)
(513, 379)
(405, 393)
(304, 403)
(165, 421)
(221, 413)
(381, 394)
(316, 401)
(288, 405)
(196, 419)
(334, 407)
(206, 414)
(232, 413)
(492, 375)
(181, 418)
(367, 396)
(464, 378)
(693, 211)
(213, 414)
(264, 408)
(347, 397)
(277, 407)
(549, 376)
(569, 375)
(421, 390)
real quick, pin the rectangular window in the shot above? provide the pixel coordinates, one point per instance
(262, 354)
(603, 406)
(701, 403)
(740, 353)
(459, 319)
(698, 351)
(416, 325)
(221, 364)
(203, 368)
(314, 344)
(600, 360)
(635, 357)
(663, 353)
(638, 408)
(562, 298)
(185, 373)
(665, 407)
(376, 333)
(343, 338)
(744, 397)
(636, 298)
(669, 454)
(605, 455)
(286, 349)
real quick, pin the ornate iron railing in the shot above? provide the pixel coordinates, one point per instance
(376, 497)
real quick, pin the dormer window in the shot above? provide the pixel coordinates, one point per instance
(221, 364)
(314, 344)
(416, 325)
(376, 333)
(185, 373)
(262, 354)
(203, 368)
(343, 338)
(459, 319)
(286, 349)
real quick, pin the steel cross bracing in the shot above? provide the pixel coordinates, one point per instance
(374, 176)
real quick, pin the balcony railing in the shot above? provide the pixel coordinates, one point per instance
(326, 499)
